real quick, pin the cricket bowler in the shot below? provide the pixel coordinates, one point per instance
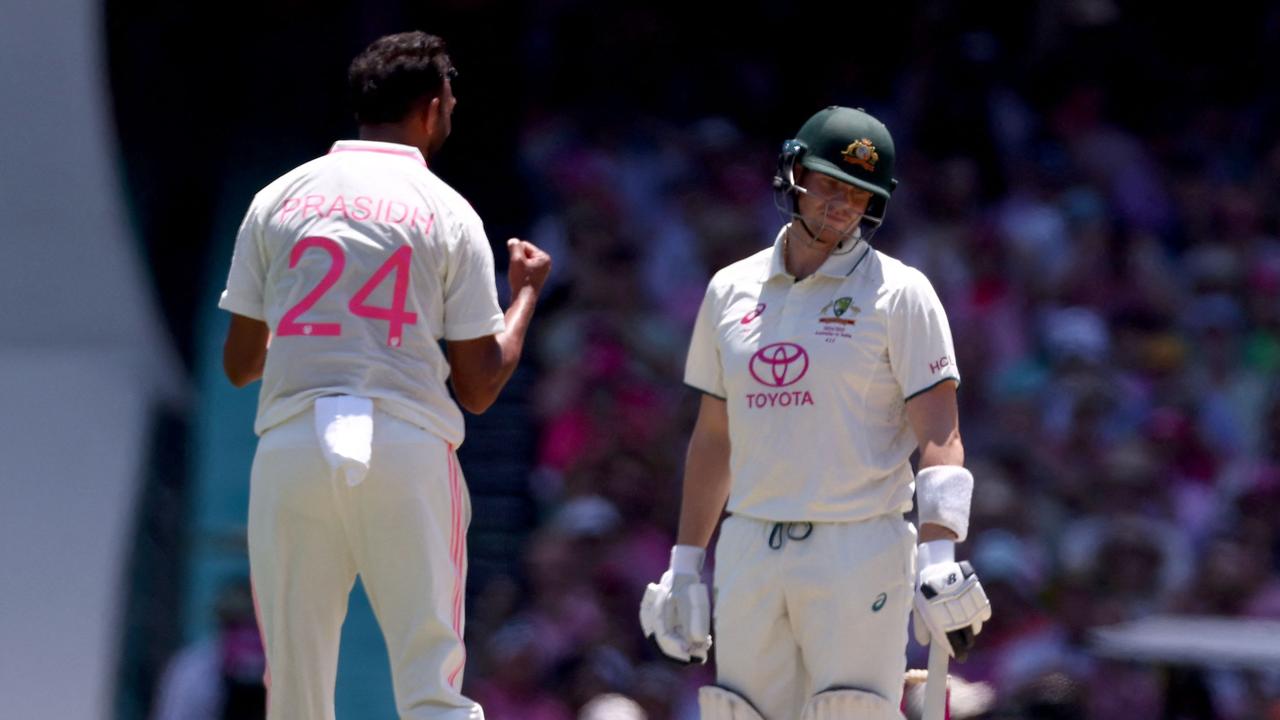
(348, 272)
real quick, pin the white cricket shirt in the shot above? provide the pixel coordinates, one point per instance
(815, 375)
(360, 262)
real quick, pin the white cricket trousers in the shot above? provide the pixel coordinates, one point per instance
(402, 529)
(796, 614)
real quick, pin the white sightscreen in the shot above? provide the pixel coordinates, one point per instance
(83, 359)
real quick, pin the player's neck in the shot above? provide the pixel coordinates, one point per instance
(801, 254)
(398, 133)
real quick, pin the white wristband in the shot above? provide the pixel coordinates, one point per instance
(687, 559)
(943, 494)
(935, 552)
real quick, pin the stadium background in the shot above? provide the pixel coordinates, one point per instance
(1092, 185)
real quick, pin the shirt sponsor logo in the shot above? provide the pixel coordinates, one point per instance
(779, 364)
(942, 362)
(753, 314)
(784, 398)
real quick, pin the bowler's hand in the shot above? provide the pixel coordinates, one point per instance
(529, 266)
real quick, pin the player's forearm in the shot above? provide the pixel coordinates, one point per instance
(244, 353)
(496, 367)
(706, 488)
(511, 340)
(948, 451)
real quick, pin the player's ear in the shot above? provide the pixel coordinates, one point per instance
(432, 116)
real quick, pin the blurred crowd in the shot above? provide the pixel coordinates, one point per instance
(1113, 286)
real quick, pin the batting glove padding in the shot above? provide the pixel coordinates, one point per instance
(951, 605)
(676, 612)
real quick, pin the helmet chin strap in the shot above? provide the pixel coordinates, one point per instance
(844, 245)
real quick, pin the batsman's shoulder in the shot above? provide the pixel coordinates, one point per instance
(749, 269)
(896, 275)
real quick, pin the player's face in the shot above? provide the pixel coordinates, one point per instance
(831, 209)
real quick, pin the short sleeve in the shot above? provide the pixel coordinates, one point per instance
(921, 353)
(471, 307)
(243, 294)
(703, 369)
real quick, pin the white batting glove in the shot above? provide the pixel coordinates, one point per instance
(950, 604)
(676, 611)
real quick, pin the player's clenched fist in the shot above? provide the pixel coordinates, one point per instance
(529, 266)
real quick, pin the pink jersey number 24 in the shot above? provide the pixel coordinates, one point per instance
(395, 315)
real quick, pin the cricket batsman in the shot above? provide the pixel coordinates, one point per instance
(351, 269)
(823, 365)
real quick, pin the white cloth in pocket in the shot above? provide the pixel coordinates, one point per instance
(344, 426)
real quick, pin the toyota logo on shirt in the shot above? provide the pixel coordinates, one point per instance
(779, 364)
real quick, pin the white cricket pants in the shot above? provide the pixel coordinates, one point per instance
(403, 530)
(828, 611)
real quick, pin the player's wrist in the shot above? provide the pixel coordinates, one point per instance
(525, 293)
(687, 559)
(943, 496)
(936, 552)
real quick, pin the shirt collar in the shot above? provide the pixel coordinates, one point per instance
(835, 266)
(373, 146)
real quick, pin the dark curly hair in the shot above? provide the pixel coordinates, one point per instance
(394, 73)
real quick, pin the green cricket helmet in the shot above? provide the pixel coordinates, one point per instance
(849, 145)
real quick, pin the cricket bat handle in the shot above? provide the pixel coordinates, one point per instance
(935, 688)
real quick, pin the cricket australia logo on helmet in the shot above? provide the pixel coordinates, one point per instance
(779, 364)
(862, 153)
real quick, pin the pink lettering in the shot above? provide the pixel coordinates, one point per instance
(426, 223)
(942, 362)
(290, 205)
(363, 203)
(779, 399)
(313, 202)
(403, 216)
(377, 214)
(338, 205)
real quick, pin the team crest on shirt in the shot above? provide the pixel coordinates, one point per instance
(835, 311)
(836, 318)
(863, 154)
